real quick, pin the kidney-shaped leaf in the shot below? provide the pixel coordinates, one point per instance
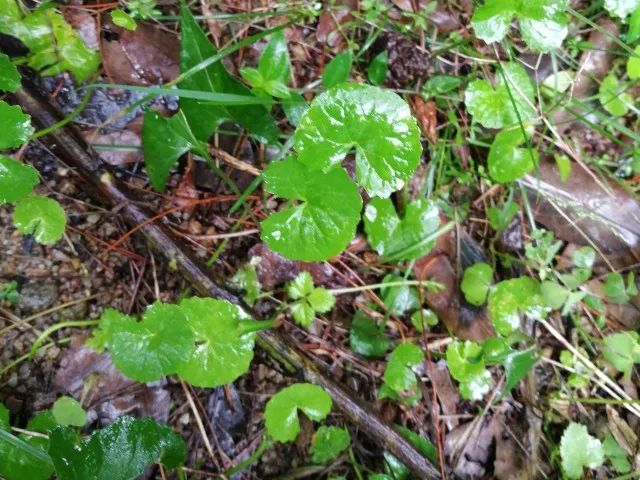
(406, 238)
(152, 348)
(376, 122)
(120, 451)
(507, 161)
(507, 104)
(15, 126)
(224, 344)
(281, 412)
(511, 298)
(41, 217)
(325, 220)
(16, 180)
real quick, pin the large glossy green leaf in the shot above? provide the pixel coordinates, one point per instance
(510, 299)
(16, 180)
(203, 119)
(507, 161)
(120, 451)
(224, 344)
(21, 461)
(15, 126)
(324, 221)
(164, 141)
(507, 104)
(9, 76)
(543, 23)
(54, 46)
(401, 238)
(376, 123)
(152, 348)
(41, 217)
(281, 412)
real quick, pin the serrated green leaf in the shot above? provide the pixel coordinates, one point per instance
(476, 282)
(156, 346)
(376, 123)
(378, 67)
(506, 161)
(224, 346)
(328, 443)
(366, 337)
(510, 299)
(122, 19)
(246, 278)
(40, 217)
(21, 461)
(633, 65)
(17, 180)
(621, 8)
(543, 23)
(9, 76)
(325, 220)
(310, 299)
(613, 97)
(164, 141)
(68, 411)
(622, 350)
(578, 449)
(120, 451)
(302, 313)
(401, 238)
(281, 412)
(204, 118)
(399, 376)
(15, 126)
(54, 46)
(337, 70)
(301, 286)
(400, 299)
(321, 300)
(466, 365)
(510, 102)
(274, 64)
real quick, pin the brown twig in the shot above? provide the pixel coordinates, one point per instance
(70, 148)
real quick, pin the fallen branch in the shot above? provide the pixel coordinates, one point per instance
(69, 147)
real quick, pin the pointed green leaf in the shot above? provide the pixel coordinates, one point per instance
(274, 62)
(366, 337)
(506, 161)
(122, 19)
(376, 123)
(510, 102)
(9, 76)
(281, 412)
(328, 443)
(17, 180)
(401, 238)
(516, 366)
(378, 68)
(325, 220)
(224, 349)
(15, 126)
(120, 451)
(337, 70)
(578, 449)
(156, 346)
(203, 118)
(41, 217)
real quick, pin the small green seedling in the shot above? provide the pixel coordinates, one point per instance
(274, 69)
(578, 449)
(281, 412)
(9, 292)
(309, 299)
(507, 160)
(615, 289)
(423, 318)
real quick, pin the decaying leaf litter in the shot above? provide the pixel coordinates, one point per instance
(479, 295)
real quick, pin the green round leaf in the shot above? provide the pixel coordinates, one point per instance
(120, 451)
(465, 363)
(281, 412)
(41, 217)
(328, 443)
(506, 161)
(68, 411)
(405, 238)
(399, 375)
(15, 126)
(511, 298)
(152, 348)
(224, 348)
(366, 337)
(9, 76)
(337, 70)
(325, 220)
(476, 282)
(578, 449)
(494, 107)
(378, 67)
(376, 122)
(16, 180)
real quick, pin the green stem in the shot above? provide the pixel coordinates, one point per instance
(255, 456)
(429, 284)
(354, 464)
(43, 336)
(248, 326)
(69, 118)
